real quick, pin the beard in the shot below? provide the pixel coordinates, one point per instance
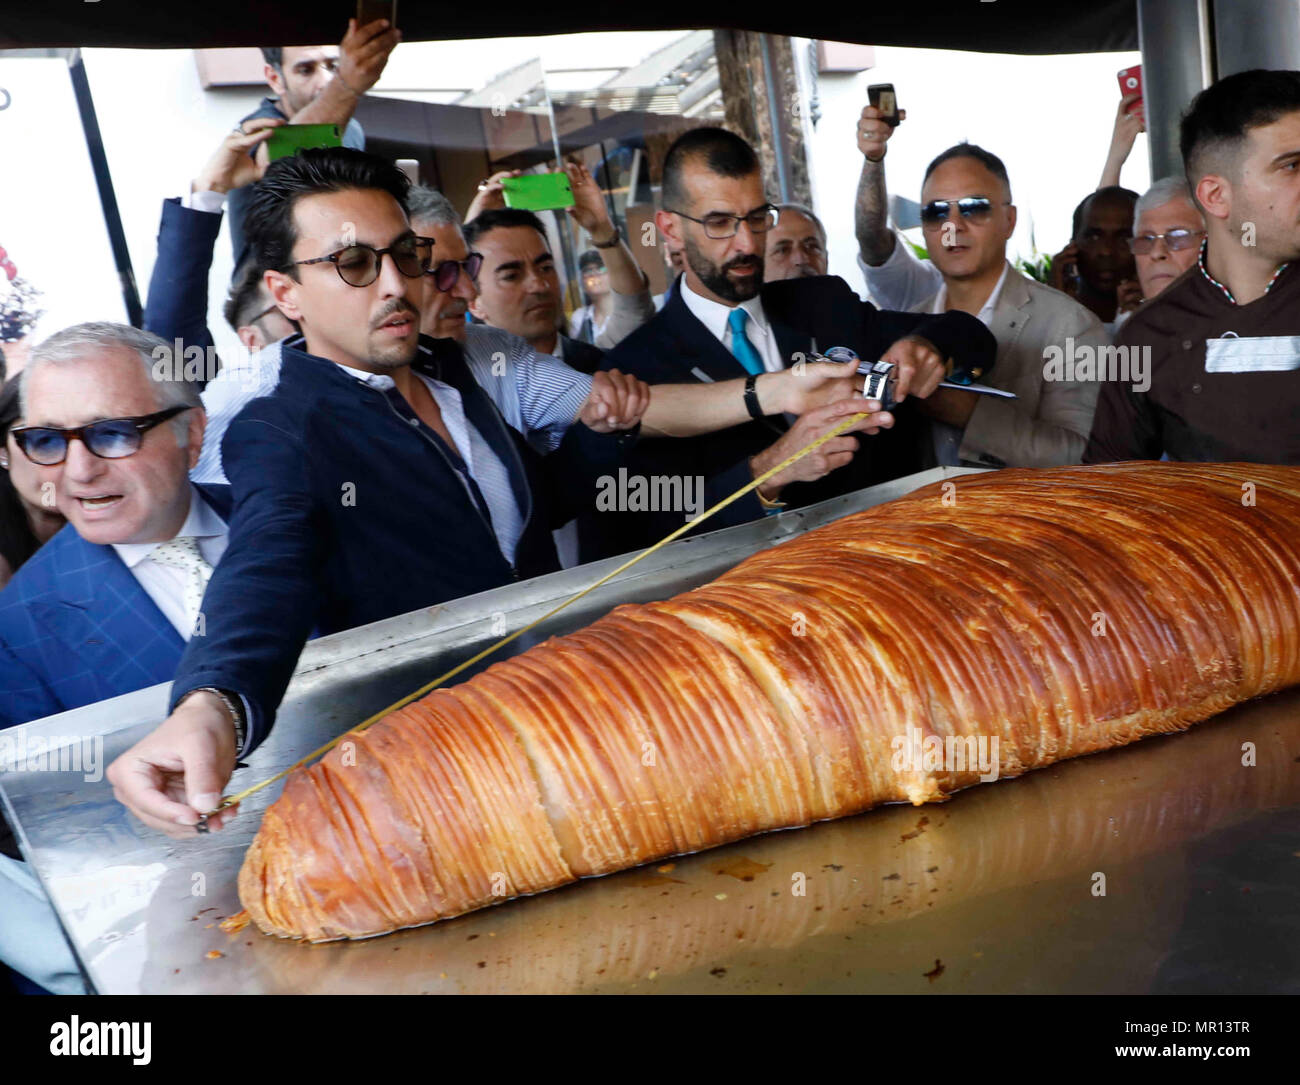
(715, 277)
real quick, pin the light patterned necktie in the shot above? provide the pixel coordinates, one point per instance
(183, 553)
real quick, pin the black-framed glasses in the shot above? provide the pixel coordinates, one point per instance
(719, 225)
(1175, 240)
(447, 273)
(976, 209)
(358, 265)
(109, 438)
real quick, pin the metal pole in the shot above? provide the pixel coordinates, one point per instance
(104, 181)
(1256, 34)
(1177, 63)
(774, 117)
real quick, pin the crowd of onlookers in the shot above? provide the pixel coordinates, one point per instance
(414, 419)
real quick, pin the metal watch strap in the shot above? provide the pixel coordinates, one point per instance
(751, 397)
(236, 713)
(618, 236)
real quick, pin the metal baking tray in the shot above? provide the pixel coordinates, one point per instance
(1166, 866)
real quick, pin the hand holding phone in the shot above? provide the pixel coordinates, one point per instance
(878, 121)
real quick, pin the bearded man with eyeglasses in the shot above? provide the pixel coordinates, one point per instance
(967, 218)
(723, 321)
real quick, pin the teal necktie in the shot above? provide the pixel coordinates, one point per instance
(741, 347)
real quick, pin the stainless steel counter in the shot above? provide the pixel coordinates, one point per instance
(1168, 865)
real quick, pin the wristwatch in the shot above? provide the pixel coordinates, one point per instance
(618, 236)
(751, 397)
(235, 709)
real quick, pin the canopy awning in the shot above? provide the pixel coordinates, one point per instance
(1000, 26)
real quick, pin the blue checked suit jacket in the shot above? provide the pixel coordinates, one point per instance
(76, 627)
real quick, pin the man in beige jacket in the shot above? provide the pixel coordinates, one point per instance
(967, 218)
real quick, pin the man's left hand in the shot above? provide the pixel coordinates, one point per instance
(919, 367)
(616, 402)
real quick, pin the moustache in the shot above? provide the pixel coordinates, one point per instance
(400, 305)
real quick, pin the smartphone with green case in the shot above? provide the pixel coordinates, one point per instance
(289, 139)
(538, 191)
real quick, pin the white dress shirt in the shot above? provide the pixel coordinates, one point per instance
(758, 330)
(483, 464)
(165, 584)
(985, 315)
(947, 438)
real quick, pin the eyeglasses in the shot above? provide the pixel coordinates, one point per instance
(358, 265)
(447, 273)
(1175, 240)
(719, 225)
(976, 209)
(109, 439)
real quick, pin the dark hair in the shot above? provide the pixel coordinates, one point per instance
(268, 223)
(1109, 194)
(17, 542)
(502, 218)
(591, 259)
(720, 151)
(244, 301)
(1215, 124)
(274, 55)
(987, 159)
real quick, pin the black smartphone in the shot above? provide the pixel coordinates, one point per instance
(882, 97)
(370, 10)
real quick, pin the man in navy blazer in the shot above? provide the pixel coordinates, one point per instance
(723, 321)
(376, 477)
(102, 608)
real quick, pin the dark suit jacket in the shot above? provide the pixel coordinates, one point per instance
(805, 314)
(347, 513)
(177, 305)
(581, 356)
(76, 627)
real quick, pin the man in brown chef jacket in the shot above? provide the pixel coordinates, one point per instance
(1220, 346)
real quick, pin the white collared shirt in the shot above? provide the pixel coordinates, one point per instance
(758, 330)
(985, 315)
(482, 463)
(165, 584)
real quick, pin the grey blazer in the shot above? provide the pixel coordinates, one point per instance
(1048, 425)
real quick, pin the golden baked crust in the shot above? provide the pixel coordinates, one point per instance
(1058, 611)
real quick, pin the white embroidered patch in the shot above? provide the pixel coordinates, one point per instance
(1259, 354)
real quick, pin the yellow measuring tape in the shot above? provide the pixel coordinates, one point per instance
(370, 721)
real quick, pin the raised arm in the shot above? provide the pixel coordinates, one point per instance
(363, 55)
(871, 211)
(1127, 127)
(632, 303)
